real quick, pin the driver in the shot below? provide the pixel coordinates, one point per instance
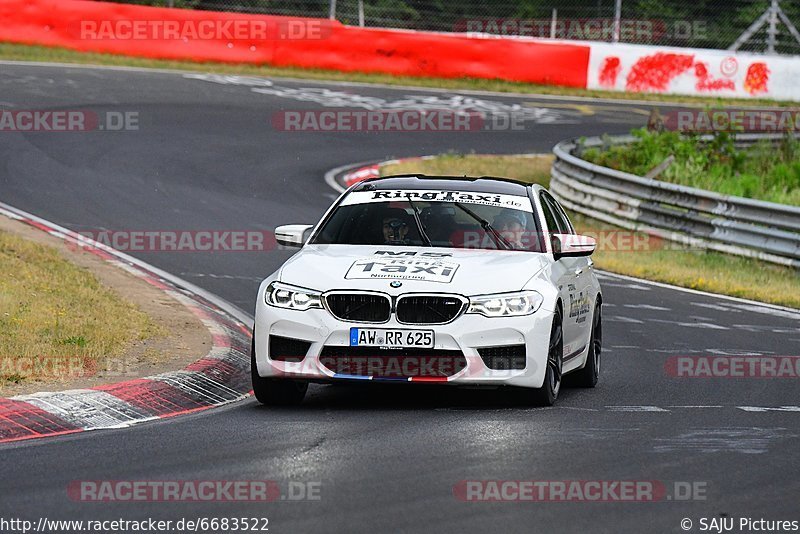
(395, 226)
(511, 225)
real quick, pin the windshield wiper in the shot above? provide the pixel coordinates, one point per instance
(422, 234)
(498, 238)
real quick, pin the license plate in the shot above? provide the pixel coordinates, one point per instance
(392, 338)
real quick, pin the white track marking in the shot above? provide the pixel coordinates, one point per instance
(635, 409)
(695, 406)
(707, 326)
(621, 319)
(717, 307)
(723, 352)
(645, 307)
(222, 276)
(627, 286)
(716, 440)
(762, 409)
(693, 324)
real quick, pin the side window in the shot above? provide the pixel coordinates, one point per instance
(549, 218)
(560, 214)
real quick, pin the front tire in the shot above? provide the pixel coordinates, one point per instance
(275, 391)
(548, 393)
(590, 374)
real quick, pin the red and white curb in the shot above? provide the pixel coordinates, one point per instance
(361, 174)
(345, 176)
(220, 377)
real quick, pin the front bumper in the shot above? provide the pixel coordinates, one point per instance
(466, 334)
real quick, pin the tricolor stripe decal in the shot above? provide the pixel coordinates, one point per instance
(393, 378)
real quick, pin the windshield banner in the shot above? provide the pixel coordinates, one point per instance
(514, 202)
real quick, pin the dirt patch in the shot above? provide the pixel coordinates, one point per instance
(186, 339)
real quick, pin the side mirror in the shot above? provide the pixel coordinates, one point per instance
(572, 246)
(293, 235)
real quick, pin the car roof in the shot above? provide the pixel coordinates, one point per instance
(481, 184)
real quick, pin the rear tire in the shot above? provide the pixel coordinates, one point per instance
(275, 391)
(590, 374)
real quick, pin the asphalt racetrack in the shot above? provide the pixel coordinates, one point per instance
(207, 155)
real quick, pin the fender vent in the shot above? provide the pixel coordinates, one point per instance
(285, 349)
(504, 358)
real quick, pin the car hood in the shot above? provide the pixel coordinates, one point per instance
(417, 269)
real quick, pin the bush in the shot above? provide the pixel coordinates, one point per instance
(764, 171)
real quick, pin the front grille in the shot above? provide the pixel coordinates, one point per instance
(392, 363)
(285, 349)
(504, 358)
(360, 307)
(429, 309)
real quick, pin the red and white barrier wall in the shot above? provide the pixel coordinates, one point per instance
(334, 46)
(330, 46)
(688, 71)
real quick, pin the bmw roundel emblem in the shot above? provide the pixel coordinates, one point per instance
(395, 283)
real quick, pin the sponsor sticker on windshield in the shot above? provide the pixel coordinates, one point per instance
(403, 269)
(515, 202)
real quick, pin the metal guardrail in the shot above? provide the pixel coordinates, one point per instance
(694, 217)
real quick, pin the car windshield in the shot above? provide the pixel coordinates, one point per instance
(451, 219)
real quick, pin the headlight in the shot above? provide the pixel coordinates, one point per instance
(506, 304)
(291, 298)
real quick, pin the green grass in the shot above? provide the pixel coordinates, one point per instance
(18, 52)
(56, 320)
(532, 169)
(763, 171)
(706, 271)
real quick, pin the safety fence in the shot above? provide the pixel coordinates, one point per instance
(746, 25)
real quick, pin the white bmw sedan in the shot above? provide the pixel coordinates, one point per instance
(458, 281)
